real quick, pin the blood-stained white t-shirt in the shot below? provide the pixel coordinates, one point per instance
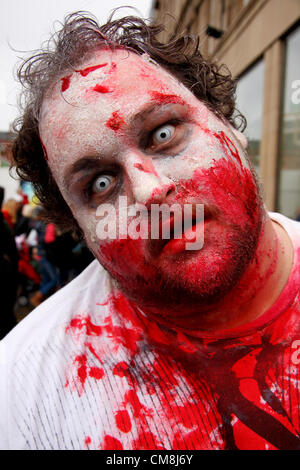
(87, 370)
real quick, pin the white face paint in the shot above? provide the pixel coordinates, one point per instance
(123, 126)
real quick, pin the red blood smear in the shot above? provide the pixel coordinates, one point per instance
(228, 145)
(125, 336)
(82, 369)
(123, 421)
(88, 70)
(94, 352)
(115, 122)
(226, 186)
(132, 399)
(121, 369)
(156, 334)
(188, 441)
(184, 344)
(44, 150)
(105, 303)
(164, 98)
(96, 373)
(102, 89)
(112, 67)
(146, 441)
(111, 443)
(121, 304)
(141, 167)
(78, 323)
(87, 440)
(65, 82)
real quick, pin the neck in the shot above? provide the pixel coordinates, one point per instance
(256, 291)
(262, 282)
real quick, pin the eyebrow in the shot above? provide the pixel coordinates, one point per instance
(141, 115)
(152, 107)
(83, 164)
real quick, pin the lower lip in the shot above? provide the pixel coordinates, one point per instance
(178, 245)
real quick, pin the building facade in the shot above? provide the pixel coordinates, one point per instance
(259, 41)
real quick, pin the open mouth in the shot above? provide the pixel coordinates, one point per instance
(179, 234)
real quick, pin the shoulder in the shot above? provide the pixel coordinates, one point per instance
(90, 287)
(292, 227)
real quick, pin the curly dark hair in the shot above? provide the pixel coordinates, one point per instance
(79, 38)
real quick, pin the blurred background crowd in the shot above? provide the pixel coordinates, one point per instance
(36, 259)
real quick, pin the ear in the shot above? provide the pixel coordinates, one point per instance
(240, 137)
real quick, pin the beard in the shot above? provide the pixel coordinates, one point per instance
(180, 289)
(195, 282)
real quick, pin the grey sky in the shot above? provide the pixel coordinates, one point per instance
(25, 24)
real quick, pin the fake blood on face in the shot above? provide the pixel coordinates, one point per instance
(87, 70)
(230, 193)
(65, 82)
(165, 98)
(145, 168)
(44, 150)
(115, 122)
(102, 89)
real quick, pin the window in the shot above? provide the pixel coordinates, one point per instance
(249, 101)
(289, 163)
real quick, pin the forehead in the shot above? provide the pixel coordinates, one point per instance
(111, 77)
(86, 107)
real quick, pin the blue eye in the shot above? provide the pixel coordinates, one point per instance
(163, 134)
(102, 183)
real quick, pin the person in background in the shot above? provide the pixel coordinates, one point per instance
(49, 273)
(10, 211)
(8, 274)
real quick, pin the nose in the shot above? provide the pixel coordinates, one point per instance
(144, 184)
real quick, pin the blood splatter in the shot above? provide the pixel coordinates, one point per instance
(82, 368)
(91, 348)
(147, 441)
(145, 169)
(102, 89)
(88, 70)
(111, 443)
(121, 369)
(115, 122)
(65, 82)
(78, 323)
(125, 336)
(96, 373)
(123, 421)
(228, 145)
(164, 98)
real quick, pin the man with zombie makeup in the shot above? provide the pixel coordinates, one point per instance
(153, 346)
